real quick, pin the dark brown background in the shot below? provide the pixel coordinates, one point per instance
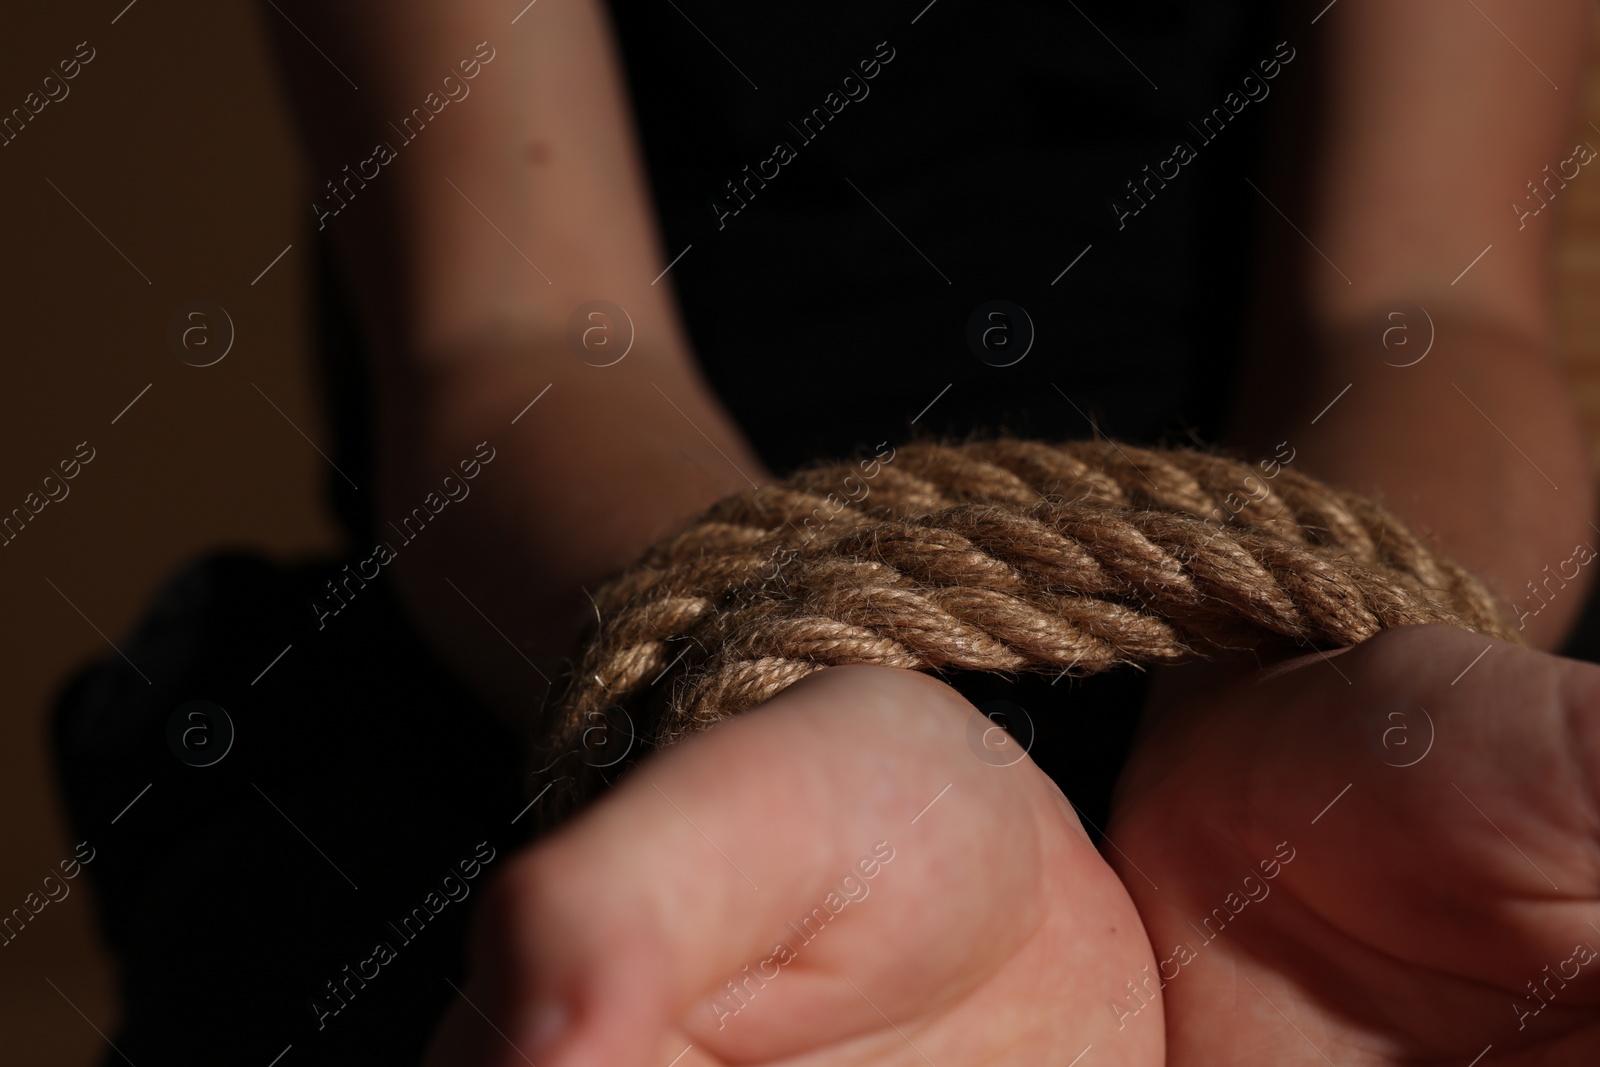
(174, 142)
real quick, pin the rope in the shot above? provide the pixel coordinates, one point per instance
(1005, 555)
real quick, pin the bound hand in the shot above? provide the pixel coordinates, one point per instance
(1383, 856)
(835, 877)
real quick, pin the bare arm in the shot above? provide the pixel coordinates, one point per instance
(1430, 123)
(522, 198)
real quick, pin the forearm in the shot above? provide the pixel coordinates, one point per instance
(512, 195)
(583, 482)
(500, 212)
(1477, 446)
(1417, 130)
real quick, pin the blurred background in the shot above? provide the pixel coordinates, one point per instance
(169, 174)
(173, 146)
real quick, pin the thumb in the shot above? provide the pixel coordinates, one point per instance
(557, 978)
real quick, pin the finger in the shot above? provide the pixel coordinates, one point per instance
(710, 853)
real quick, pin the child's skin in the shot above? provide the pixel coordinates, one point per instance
(995, 933)
(1432, 118)
(1463, 860)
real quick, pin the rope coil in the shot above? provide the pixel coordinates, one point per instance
(1003, 555)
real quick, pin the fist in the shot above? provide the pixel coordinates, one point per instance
(834, 877)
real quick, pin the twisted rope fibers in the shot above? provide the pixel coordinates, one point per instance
(1001, 555)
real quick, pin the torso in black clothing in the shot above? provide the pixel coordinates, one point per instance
(847, 187)
(986, 153)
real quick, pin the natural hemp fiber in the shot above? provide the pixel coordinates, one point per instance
(1003, 555)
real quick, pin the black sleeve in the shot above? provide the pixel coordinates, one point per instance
(354, 807)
